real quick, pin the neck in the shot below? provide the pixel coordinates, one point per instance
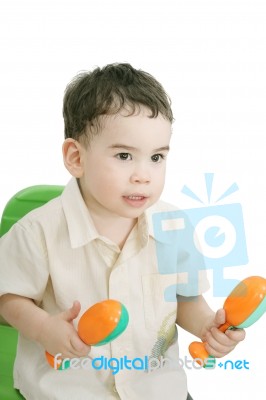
(117, 229)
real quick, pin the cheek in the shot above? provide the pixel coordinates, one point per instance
(160, 186)
(105, 184)
(114, 176)
(159, 177)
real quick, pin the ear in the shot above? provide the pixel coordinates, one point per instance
(72, 154)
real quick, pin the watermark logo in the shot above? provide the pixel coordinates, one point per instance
(147, 364)
(207, 237)
(230, 364)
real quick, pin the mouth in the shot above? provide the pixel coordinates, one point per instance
(136, 200)
(136, 197)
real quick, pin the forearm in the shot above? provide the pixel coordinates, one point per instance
(23, 314)
(192, 314)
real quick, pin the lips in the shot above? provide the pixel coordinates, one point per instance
(136, 199)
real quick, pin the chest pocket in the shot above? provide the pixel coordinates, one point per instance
(159, 313)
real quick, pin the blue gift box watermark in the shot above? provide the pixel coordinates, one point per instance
(192, 240)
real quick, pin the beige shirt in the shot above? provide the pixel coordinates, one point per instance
(54, 255)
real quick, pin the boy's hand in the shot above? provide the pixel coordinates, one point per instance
(218, 344)
(58, 334)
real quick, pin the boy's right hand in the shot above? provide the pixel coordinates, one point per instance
(58, 335)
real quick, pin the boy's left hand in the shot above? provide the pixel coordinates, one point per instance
(218, 344)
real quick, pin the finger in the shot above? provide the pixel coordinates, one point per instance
(213, 351)
(69, 354)
(79, 347)
(219, 346)
(237, 335)
(220, 317)
(72, 313)
(222, 338)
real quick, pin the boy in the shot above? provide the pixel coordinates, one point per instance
(96, 242)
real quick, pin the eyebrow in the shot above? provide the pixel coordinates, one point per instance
(125, 147)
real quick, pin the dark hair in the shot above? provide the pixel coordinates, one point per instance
(106, 91)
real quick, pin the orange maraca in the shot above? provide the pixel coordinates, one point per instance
(243, 307)
(100, 324)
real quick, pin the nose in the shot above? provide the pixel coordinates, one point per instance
(140, 175)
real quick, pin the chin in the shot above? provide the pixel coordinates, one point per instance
(134, 213)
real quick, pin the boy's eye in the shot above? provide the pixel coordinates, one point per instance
(157, 158)
(124, 156)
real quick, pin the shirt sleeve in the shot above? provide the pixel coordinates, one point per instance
(23, 262)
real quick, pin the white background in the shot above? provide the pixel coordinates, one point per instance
(210, 57)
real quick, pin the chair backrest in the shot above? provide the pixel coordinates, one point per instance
(25, 201)
(18, 206)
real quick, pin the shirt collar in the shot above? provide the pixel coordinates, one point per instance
(81, 228)
(80, 224)
(158, 217)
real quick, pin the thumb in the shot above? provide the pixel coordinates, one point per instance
(219, 318)
(72, 313)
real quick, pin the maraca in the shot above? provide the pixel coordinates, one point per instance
(243, 307)
(100, 324)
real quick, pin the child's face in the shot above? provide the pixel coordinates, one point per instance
(122, 171)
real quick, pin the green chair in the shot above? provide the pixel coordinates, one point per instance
(18, 206)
